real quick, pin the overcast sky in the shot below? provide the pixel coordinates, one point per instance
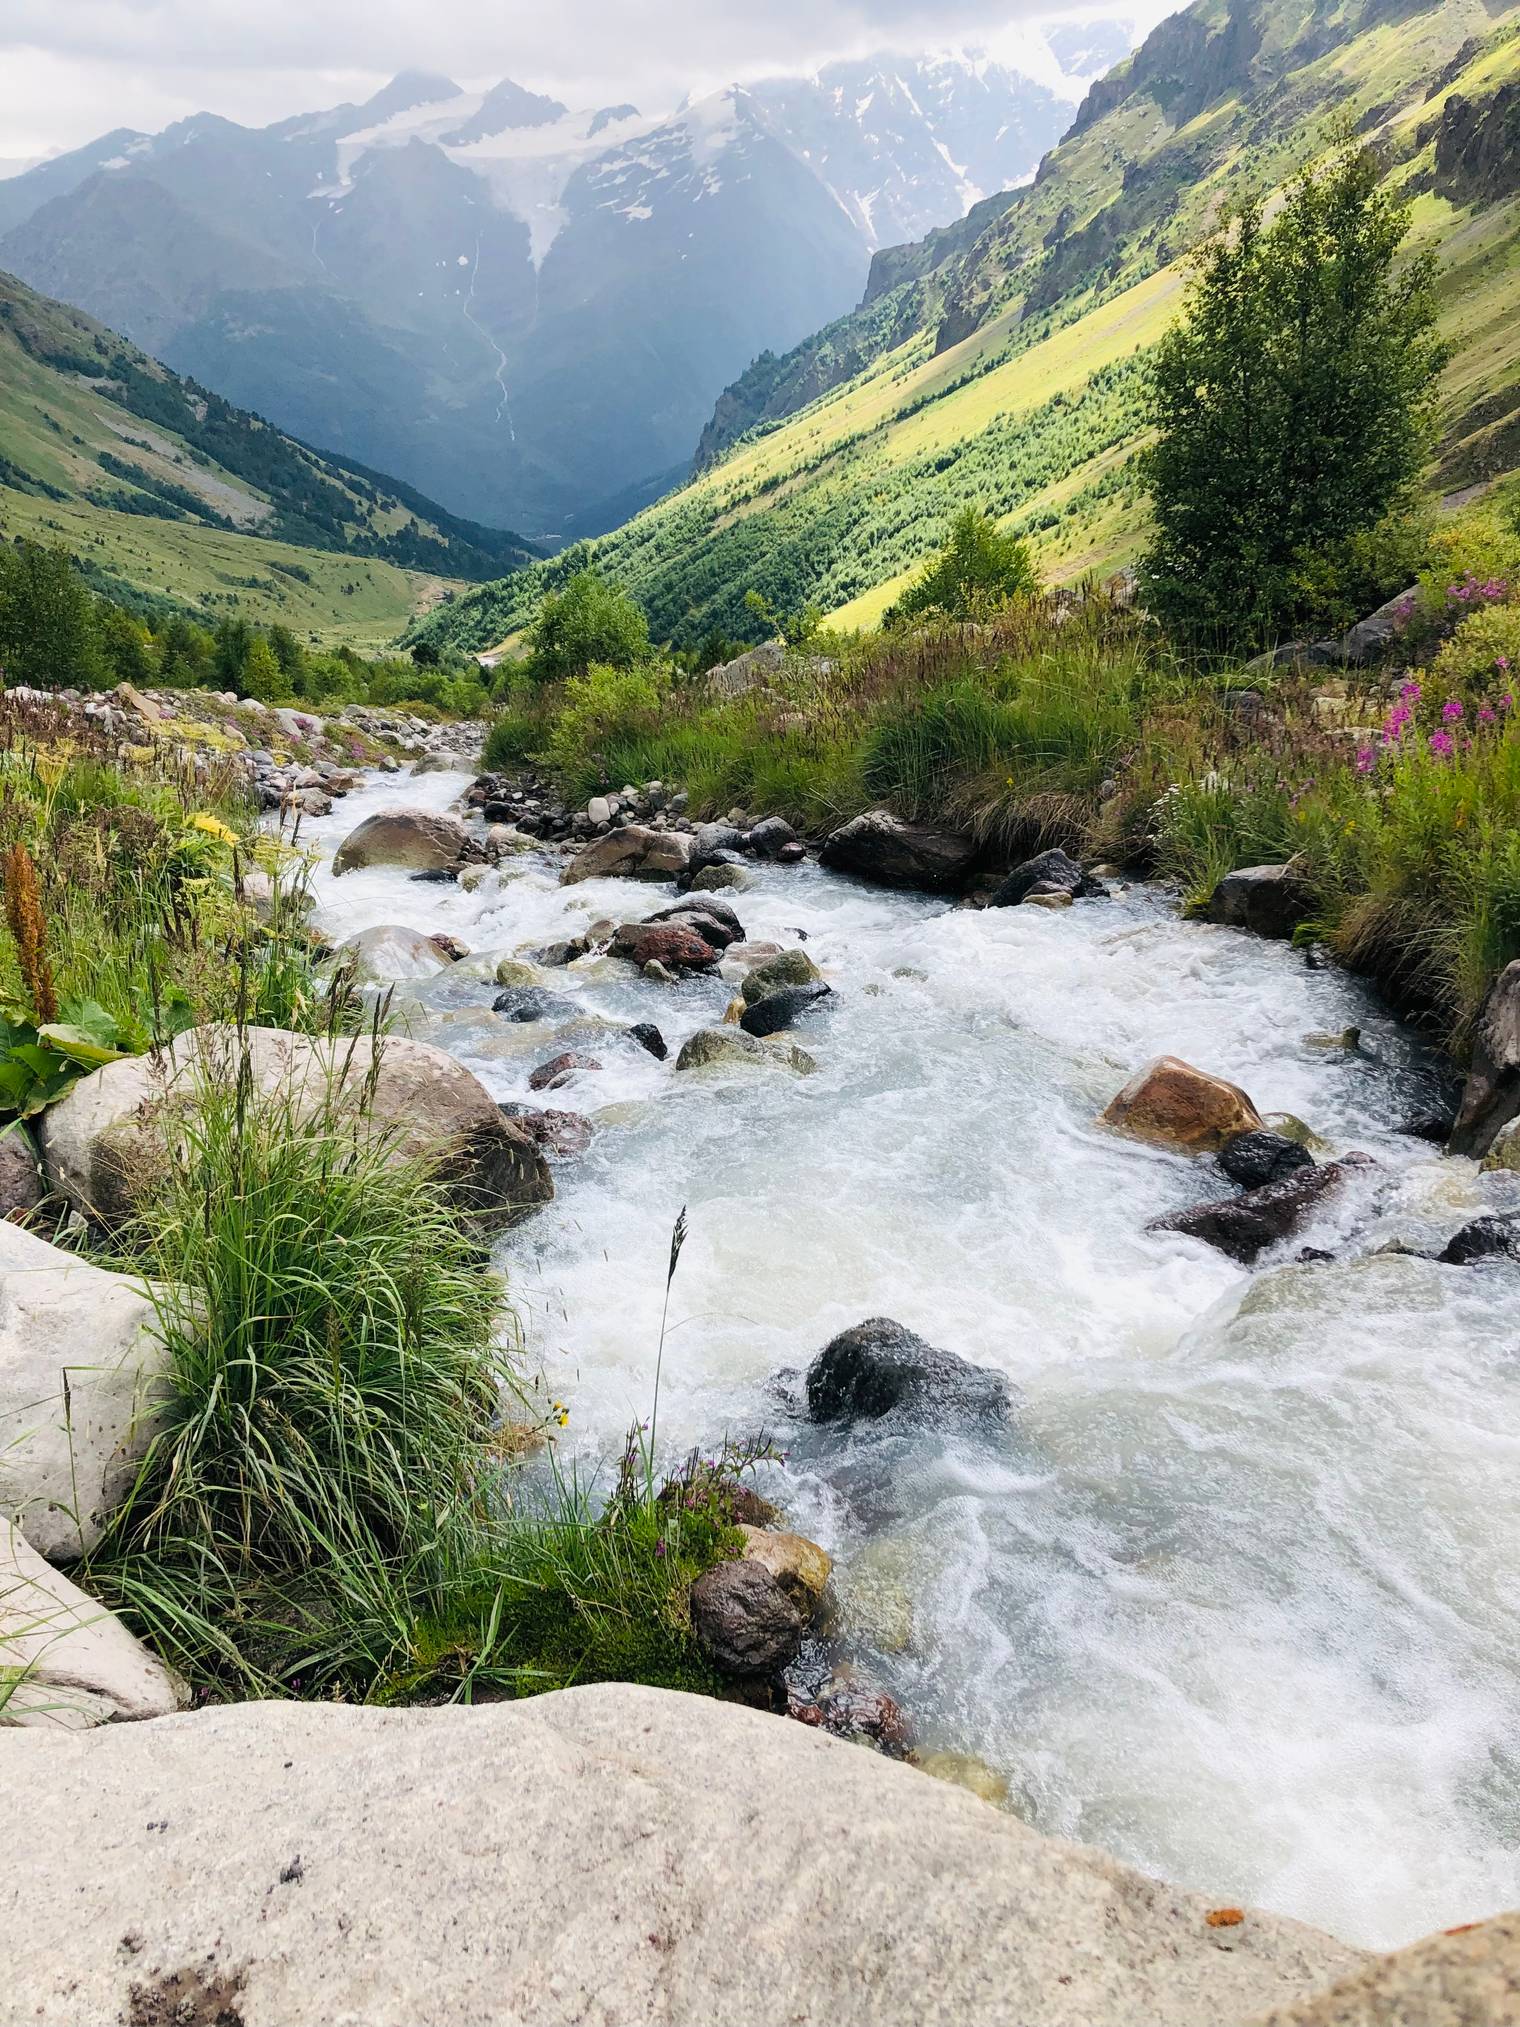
(73, 69)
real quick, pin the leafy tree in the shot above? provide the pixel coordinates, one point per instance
(185, 654)
(1293, 407)
(49, 627)
(234, 639)
(978, 569)
(288, 651)
(128, 646)
(262, 676)
(589, 622)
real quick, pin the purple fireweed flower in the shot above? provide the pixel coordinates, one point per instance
(1441, 745)
(1411, 693)
(1501, 662)
(1451, 710)
(1486, 715)
(1366, 760)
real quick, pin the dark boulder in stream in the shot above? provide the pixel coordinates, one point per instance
(744, 1621)
(783, 1009)
(880, 1368)
(882, 847)
(648, 1036)
(709, 915)
(528, 1003)
(1244, 1226)
(1054, 872)
(1256, 1159)
(1484, 1239)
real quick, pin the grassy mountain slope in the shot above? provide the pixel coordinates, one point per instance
(165, 492)
(1010, 371)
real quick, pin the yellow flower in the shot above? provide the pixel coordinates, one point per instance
(213, 827)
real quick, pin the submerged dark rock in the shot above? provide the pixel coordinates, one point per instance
(1484, 1239)
(562, 1133)
(778, 1010)
(648, 1036)
(529, 1003)
(880, 1368)
(1256, 1159)
(1244, 1226)
(882, 847)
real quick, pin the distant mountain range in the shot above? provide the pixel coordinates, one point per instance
(526, 311)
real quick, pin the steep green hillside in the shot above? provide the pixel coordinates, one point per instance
(1009, 371)
(164, 491)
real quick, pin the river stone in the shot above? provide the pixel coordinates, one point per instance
(800, 1566)
(715, 837)
(560, 1069)
(632, 853)
(648, 1036)
(561, 1133)
(1049, 897)
(709, 914)
(882, 847)
(1048, 874)
(1256, 1159)
(104, 1142)
(1267, 900)
(1484, 1239)
(392, 951)
(1244, 1226)
(63, 1320)
(744, 1621)
(82, 1667)
(769, 837)
(417, 840)
(728, 1046)
(531, 1003)
(720, 879)
(1171, 1104)
(20, 1171)
(880, 1369)
(1491, 1095)
(781, 1010)
(1291, 1127)
(790, 967)
(672, 944)
(561, 1832)
(516, 971)
(966, 1771)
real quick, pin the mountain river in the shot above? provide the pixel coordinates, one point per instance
(1238, 1598)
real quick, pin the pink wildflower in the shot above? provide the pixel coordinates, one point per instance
(1441, 745)
(1411, 693)
(1366, 760)
(1451, 710)
(1486, 715)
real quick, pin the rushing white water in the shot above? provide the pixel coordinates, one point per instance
(1238, 1597)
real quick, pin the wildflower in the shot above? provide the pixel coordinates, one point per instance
(212, 827)
(1411, 693)
(1441, 745)
(1501, 663)
(28, 925)
(1451, 710)
(1366, 760)
(1486, 715)
(1505, 701)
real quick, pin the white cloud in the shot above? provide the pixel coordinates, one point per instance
(71, 71)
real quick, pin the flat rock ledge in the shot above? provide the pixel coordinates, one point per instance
(599, 1855)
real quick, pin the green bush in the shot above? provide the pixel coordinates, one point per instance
(589, 623)
(978, 570)
(602, 704)
(1482, 658)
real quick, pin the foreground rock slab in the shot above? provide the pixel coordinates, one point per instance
(77, 1664)
(81, 1364)
(600, 1855)
(1491, 1096)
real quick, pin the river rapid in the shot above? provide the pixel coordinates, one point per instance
(1237, 1597)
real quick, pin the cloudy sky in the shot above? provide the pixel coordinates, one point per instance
(73, 69)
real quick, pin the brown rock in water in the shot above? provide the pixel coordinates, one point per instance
(1170, 1104)
(673, 944)
(562, 1133)
(882, 847)
(560, 1069)
(632, 853)
(744, 1621)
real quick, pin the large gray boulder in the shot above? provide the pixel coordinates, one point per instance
(632, 853)
(595, 1856)
(105, 1143)
(881, 1371)
(885, 848)
(81, 1372)
(66, 1663)
(390, 950)
(416, 840)
(1491, 1095)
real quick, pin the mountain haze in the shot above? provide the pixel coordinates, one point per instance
(524, 309)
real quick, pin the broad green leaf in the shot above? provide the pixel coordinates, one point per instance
(78, 1045)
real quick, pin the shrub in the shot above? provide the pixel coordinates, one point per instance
(1482, 657)
(979, 569)
(589, 623)
(602, 703)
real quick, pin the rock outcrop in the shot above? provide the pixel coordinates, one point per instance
(1170, 1104)
(416, 840)
(105, 1143)
(392, 951)
(81, 1369)
(880, 1369)
(882, 847)
(731, 1047)
(1046, 876)
(66, 1663)
(604, 1854)
(632, 853)
(1491, 1095)
(1244, 1226)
